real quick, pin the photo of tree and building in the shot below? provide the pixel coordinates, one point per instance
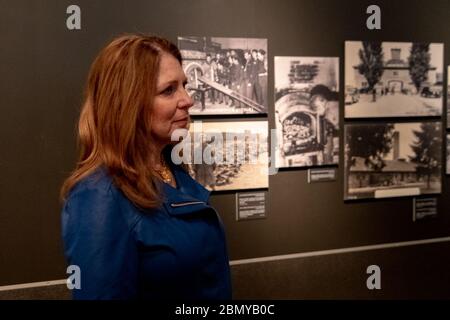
(448, 97)
(393, 79)
(448, 153)
(392, 159)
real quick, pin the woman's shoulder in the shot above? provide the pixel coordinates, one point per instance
(95, 198)
(99, 181)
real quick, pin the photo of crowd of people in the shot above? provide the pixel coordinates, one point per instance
(306, 111)
(226, 75)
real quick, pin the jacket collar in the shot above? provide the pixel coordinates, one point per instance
(187, 197)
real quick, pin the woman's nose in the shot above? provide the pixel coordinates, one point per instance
(186, 100)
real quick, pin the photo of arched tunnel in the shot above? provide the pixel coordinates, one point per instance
(306, 111)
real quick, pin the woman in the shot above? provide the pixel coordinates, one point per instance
(137, 225)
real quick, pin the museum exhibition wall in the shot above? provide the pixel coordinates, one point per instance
(335, 136)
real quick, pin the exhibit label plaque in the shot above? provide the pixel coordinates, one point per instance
(424, 208)
(250, 205)
(321, 175)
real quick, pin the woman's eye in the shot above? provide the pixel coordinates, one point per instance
(168, 91)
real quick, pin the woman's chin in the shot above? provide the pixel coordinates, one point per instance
(184, 125)
(179, 132)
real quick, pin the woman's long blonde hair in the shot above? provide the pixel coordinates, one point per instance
(115, 118)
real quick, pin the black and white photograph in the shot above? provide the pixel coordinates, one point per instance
(306, 111)
(392, 159)
(448, 154)
(225, 75)
(393, 79)
(448, 97)
(239, 154)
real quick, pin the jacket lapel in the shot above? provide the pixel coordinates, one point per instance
(189, 196)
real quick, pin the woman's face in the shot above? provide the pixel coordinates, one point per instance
(172, 102)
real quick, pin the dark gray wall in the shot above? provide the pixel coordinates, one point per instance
(407, 273)
(43, 67)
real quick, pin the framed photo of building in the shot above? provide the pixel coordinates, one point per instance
(226, 75)
(306, 111)
(448, 154)
(448, 97)
(393, 79)
(229, 155)
(392, 159)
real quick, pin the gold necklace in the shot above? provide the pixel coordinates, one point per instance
(164, 172)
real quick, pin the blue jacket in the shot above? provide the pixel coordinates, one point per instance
(175, 252)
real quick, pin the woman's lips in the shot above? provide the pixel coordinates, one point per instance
(182, 120)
